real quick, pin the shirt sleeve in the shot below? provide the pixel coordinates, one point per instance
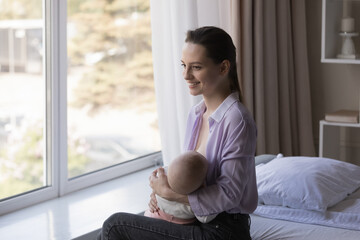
(235, 187)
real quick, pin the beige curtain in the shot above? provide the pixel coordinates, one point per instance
(270, 36)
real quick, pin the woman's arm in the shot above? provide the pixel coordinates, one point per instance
(160, 186)
(232, 182)
(232, 187)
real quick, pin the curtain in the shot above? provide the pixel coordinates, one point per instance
(170, 20)
(270, 36)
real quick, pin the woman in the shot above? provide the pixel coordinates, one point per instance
(223, 131)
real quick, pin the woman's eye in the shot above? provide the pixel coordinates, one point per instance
(183, 65)
(196, 67)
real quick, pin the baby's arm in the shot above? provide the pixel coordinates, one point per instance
(160, 186)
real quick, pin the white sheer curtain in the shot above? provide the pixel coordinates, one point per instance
(170, 20)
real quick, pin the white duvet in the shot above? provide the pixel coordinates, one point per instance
(345, 214)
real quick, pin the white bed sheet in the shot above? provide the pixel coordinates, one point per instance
(341, 221)
(272, 229)
(345, 214)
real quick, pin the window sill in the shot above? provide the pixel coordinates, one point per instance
(80, 214)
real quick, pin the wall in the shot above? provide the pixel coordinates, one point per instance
(333, 86)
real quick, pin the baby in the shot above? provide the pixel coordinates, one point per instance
(186, 174)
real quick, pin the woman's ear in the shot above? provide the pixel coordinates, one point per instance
(225, 67)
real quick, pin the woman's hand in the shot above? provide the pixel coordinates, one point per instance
(159, 183)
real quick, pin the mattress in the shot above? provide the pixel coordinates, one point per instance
(273, 229)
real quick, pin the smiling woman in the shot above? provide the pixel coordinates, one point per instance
(221, 129)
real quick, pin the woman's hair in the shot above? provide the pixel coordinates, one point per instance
(219, 47)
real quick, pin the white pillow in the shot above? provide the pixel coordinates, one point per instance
(310, 183)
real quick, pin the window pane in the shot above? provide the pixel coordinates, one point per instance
(111, 100)
(22, 97)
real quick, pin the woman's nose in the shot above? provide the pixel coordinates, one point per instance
(187, 73)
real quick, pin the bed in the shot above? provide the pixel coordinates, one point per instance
(306, 198)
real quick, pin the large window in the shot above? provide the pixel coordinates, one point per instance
(111, 102)
(76, 95)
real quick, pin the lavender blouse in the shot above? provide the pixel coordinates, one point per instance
(231, 180)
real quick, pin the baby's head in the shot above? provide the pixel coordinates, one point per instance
(187, 172)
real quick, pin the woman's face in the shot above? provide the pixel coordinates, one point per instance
(202, 75)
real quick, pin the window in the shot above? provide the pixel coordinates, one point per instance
(22, 98)
(111, 102)
(77, 100)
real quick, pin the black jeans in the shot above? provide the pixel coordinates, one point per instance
(125, 226)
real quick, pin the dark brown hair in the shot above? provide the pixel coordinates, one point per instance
(219, 47)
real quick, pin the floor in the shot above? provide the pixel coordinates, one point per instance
(80, 214)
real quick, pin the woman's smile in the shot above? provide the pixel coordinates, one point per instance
(193, 84)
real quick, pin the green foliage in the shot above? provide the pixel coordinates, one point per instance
(20, 9)
(22, 167)
(119, 32)
(105, 26)
(110, 84)
(73, 6)
(25, 163)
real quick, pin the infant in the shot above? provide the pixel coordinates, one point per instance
(185, 174)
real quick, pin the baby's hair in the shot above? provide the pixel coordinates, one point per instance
(187, 172)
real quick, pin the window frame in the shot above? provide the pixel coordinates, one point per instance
(55, 72)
